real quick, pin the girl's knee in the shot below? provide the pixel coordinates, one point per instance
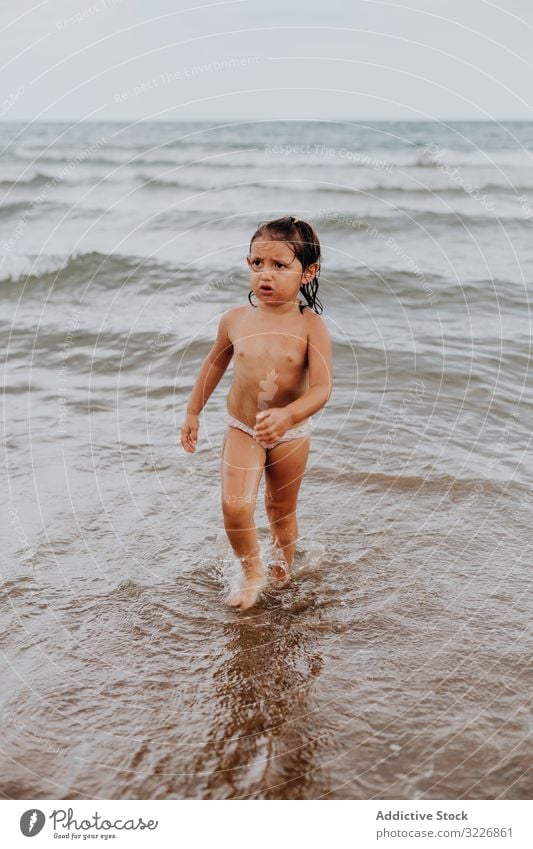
(281, 513)
(239, 510)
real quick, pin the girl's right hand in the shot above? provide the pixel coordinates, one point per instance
(189, 433)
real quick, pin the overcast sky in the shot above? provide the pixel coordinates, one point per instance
(347, 59)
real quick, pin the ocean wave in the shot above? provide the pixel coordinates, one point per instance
(345, 158)
(347, 154)
(14, 267)
(330, 186)
(148, 182)
(404, 218)
(368, 285)
(13, 209)
(456, 488)
(434, 156)
(38, 179)
(101, 269)
(456, 191)
(489, 195)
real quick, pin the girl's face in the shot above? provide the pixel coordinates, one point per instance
(276, 274)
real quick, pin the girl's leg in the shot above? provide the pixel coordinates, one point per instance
(243, 461)
(284, 469)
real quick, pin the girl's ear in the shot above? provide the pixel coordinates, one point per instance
(310, 272)
(249, 262)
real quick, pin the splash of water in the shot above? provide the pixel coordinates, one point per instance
(306, 558)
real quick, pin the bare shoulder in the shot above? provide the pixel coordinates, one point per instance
(315, 324)
(230, 317)
(236, 311)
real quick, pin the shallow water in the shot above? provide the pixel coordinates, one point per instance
(397, 661)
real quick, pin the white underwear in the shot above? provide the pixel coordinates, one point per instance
(292, 433)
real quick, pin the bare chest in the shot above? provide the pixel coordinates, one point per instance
(283, 347)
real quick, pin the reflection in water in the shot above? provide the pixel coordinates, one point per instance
(264, 734)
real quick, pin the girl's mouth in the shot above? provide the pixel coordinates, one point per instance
(266, 290)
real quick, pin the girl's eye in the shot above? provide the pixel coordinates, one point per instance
(257, 262)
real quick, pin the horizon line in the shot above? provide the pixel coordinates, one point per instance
(269, 120)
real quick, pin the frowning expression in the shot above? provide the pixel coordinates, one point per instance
(276, 274)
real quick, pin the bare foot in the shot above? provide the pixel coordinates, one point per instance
(280, 571)
(234, 599)
(279, 568)
(249, 592)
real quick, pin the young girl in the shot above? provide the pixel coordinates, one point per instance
(282, 375)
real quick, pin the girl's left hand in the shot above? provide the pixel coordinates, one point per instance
(271, 424)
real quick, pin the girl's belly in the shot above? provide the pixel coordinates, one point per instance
(247, 398)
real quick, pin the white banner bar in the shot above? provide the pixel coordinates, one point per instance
(252, 823)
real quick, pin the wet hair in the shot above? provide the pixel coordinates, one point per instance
(303, 240)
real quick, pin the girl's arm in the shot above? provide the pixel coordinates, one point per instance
(320, 361)
(213, 367)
